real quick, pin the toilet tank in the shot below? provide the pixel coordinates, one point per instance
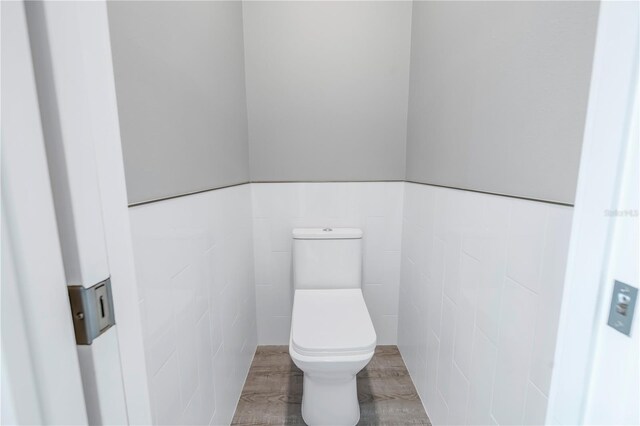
(326, 258)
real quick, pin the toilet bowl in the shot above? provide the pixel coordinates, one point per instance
(332, 337)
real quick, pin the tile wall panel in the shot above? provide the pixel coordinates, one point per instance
(481, 283)
(376, 207)
(194, 261)
(467, 284)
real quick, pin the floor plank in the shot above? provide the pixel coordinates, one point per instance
(272, 394)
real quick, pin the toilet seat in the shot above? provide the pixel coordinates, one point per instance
(329, 323)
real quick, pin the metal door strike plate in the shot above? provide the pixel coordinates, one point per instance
(623, 303)
(91, 310)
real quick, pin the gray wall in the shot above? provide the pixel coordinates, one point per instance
(327, 87)
(498, 95)
(179, 72)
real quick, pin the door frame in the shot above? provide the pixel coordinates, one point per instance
(69, 51)
(41, 381)
(609, 115)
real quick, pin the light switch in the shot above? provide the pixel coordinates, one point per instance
(623, 303)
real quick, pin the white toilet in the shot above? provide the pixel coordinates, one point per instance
(332, 336)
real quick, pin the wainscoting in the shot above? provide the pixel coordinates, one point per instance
(376, 207)
(468, 284)
(482, 279)
(194, 262)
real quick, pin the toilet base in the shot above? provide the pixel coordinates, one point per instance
(330, 401)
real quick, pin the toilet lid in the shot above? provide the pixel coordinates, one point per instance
(331, 322)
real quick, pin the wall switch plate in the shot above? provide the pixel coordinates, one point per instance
(623, 303)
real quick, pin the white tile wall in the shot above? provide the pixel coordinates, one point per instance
(376, 207)
(482, 279)
(474, 306)
(194, 261)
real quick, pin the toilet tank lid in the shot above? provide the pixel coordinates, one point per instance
(326, 233)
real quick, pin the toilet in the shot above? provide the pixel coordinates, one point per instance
(332, 337)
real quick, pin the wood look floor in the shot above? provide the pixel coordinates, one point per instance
(272, 394)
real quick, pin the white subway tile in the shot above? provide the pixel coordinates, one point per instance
(262, 250)
(458, 398)
(517, 329)
(473, 231)
(187, 358)
(195, 413)
(386, 327)
(280, 235)
(432, 351)
(440, 220)
(438, 411)
(526, 242)
(554, 262)
(282, 297)
(194, 257)
(452, 252)
(329, 200)
(165, 389)
(411, 203)
(535, 410)
(202, 284)
(465, 311)
(274, 330)
(159, 308)
(493, 263)
(205, 370)
(445, 357)
(434, 305)
(373, 242)
(391, 273)
(225, 401)
(381, 299)
(159, 348)
(215, 321)
(483, 327)
(376, 207)
(263, 305)
(483, 366)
